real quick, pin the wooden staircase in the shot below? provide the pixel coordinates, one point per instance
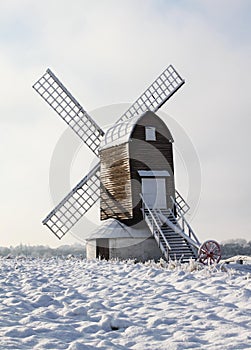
(180, 248)
(173, 234)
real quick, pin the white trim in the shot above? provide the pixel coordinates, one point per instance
(153, 173)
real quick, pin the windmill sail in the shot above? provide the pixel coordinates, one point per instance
(81, 198)
(68, 108)
(156, 95)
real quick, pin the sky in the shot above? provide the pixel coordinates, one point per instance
(106, 53)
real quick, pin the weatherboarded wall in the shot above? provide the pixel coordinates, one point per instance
(150, 155)
(120, 180)
(115, 189)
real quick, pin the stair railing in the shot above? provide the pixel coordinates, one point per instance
(177, 229)
(155, 228)
(181, 220)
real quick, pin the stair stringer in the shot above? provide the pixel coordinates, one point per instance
(172, 240)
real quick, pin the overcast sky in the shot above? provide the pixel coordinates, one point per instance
(107, 52)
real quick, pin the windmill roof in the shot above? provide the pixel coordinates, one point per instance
(112, 228)
(121, 132)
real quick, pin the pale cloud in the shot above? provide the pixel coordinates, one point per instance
(108, 52)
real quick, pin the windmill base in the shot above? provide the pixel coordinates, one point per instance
(114, 240)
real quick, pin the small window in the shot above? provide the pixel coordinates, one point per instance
(150, 133)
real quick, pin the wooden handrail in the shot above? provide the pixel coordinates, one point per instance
(155, 221)
(185, 223)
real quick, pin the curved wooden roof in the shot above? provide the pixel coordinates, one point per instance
(120, 133)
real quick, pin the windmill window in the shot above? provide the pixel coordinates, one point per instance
(150, 133)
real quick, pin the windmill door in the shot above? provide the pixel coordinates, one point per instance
(154, 192)
(102, 248)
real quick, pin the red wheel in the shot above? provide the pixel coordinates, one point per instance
(209, 253)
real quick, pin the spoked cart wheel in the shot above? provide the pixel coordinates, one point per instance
(209, 253)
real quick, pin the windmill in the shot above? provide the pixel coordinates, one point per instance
(135, 196)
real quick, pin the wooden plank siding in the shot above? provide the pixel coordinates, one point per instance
(120, 181)
(115, 189)
(150, 155)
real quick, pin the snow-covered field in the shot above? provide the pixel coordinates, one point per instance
(79, 304)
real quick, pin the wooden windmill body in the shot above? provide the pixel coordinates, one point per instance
(143, 214)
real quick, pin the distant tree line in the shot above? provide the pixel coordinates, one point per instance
(42, 251)
(229, 248)
(235, 247)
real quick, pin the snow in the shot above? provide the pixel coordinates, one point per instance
(112, 228)
(78, 304)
